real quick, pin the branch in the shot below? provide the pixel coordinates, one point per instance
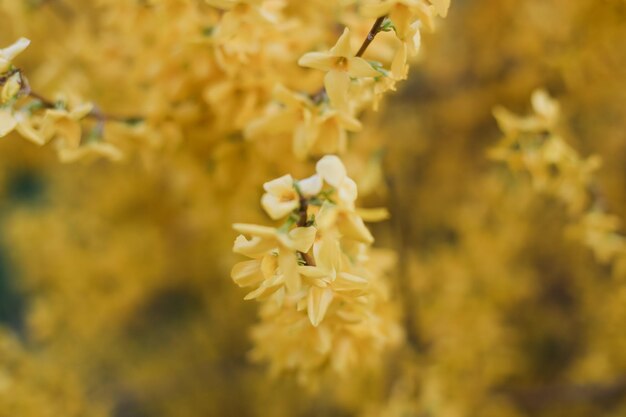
(95, 113)
(303, 219)
(375, 30)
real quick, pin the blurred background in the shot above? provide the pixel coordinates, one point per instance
(115, 295)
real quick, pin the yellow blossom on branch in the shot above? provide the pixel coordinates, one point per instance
(340, 65)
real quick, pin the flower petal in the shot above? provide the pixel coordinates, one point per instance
(327, 216)
(337, 84)
(255, 230)
(328, 255)
(279, 185)
(302, 238)
(247, 273)
(342, 48)
(7, 122)
(347, 192)
(352, 227)
(288, 264)
(15, 49)
(332, 170)
(253, 248)
(277, 208)
(311, 186)
(318, 301)
(318, 60)
(441, 7)
(373, 214)
(349, 282)
(360, 68)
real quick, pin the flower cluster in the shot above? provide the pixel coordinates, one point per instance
(532, 144)
(313, 274)
(320, 121)
(323, 300)
(42, 121)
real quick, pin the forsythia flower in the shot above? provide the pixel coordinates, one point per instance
(40, 122)
(532, 145)
(315, 128)
(312, 267)
(340, 65)
(600, 232)
(272, 249)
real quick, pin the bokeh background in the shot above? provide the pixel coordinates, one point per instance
(115, 296)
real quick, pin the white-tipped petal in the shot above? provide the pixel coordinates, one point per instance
(279, 185)
(276, 207)
(311, 186)
(348, 192)
(332, 170)
(14, 50)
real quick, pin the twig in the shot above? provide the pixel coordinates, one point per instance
(95, 113)
(375, 30)
(302, 222)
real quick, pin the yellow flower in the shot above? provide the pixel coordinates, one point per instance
(281, 196)
(64, 125)
(600, 232)
(545, 117)
(315, 128)
(328, 278)
(268, 241)
(28, 126)
(340, 64)
(341, 212)
(333, 172)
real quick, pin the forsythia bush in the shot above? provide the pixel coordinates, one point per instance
(396, 258)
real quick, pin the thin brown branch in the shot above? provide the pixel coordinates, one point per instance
(375, 30)
(303, 220)
(46, 103)
(5, 77)
(95, 113)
